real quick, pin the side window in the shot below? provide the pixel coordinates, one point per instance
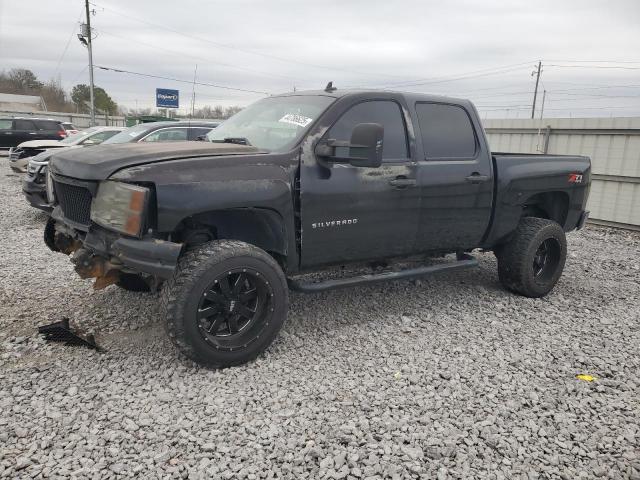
(385, 112)
(196, 132)
(446, 130)
(5, 123)
(48, 125)
(167, 135)
(99, 137)
(24, 125)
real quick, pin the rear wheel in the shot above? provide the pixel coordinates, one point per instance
(225, 303)
(533, 260)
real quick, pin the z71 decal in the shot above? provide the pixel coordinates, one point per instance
(575, 178)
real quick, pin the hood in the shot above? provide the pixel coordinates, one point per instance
(41, 144)
(101, 161)
(47, 154)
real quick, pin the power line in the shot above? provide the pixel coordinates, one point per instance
(232, 47)
(119, 70)
(593, 61)
(591, 66)
(462, 76)
(182, 54)
(66, 47)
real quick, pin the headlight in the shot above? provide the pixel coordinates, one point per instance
(51, 196)
(120, 206)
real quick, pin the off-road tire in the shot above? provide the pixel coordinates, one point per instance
(50, 235)
(181, 294)
(133, 283)
(516, 268)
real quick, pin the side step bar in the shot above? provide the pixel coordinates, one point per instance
(464, 261)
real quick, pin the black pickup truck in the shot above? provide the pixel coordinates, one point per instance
(298, 182)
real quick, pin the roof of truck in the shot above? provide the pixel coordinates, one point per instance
(410, 96)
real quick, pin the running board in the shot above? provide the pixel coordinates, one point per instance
(464, 261)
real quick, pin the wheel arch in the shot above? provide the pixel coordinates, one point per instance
(265, 228)
(550, 205)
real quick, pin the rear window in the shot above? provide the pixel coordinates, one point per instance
(447, 132)
(5, 123)
(47, 125)
(68, 126)
(24, 125)
(196, 132)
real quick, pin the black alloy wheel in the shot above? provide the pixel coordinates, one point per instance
(545, 260)
(225, 303)
(532, 260)
(235, 309)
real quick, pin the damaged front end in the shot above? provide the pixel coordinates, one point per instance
(105, 256)
(105, 227)
(60, 238)
(90, 265)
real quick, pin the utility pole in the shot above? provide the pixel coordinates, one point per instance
(193, 93)
(88, 34)
(537, 73)
(544, 96)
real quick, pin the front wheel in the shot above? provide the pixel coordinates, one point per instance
(532, 261)
(225, 303)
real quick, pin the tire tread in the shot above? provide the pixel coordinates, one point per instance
(191, 266)
(513, 264)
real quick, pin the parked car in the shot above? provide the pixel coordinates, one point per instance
(70, 128)
(163, 132)
(297, 182)
(33, 186)
(14, 131)
(19, 156)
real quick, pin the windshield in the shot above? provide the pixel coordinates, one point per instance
(78, 137)
(130, 134)
(274, 123)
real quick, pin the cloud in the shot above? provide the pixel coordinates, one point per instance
(274, 46)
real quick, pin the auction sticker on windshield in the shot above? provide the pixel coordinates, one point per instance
(296, 119)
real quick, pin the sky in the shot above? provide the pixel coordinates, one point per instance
(482, 50)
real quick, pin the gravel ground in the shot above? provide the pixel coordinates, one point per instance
(449, 377)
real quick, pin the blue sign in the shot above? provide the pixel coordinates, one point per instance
(166, 98)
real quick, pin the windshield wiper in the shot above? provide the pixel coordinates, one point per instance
(236, 140)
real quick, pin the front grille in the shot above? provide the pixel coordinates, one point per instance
(75, 202)
(15, 155)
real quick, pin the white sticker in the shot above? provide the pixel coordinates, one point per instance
(296, 119)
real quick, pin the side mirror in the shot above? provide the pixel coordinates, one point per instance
(363, 150)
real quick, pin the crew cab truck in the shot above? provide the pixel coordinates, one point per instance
(298, 182)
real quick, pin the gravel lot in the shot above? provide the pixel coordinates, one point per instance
(449, 377)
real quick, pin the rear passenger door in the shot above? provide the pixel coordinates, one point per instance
(6, 132)
(24, 130)
(455, 178)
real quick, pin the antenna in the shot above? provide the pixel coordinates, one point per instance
(330, 87)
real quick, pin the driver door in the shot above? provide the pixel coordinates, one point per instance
(357, 213)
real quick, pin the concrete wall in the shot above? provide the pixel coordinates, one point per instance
(613, 144)
(80, 120)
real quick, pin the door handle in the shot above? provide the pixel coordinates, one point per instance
(475, 177)
(401, 182)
